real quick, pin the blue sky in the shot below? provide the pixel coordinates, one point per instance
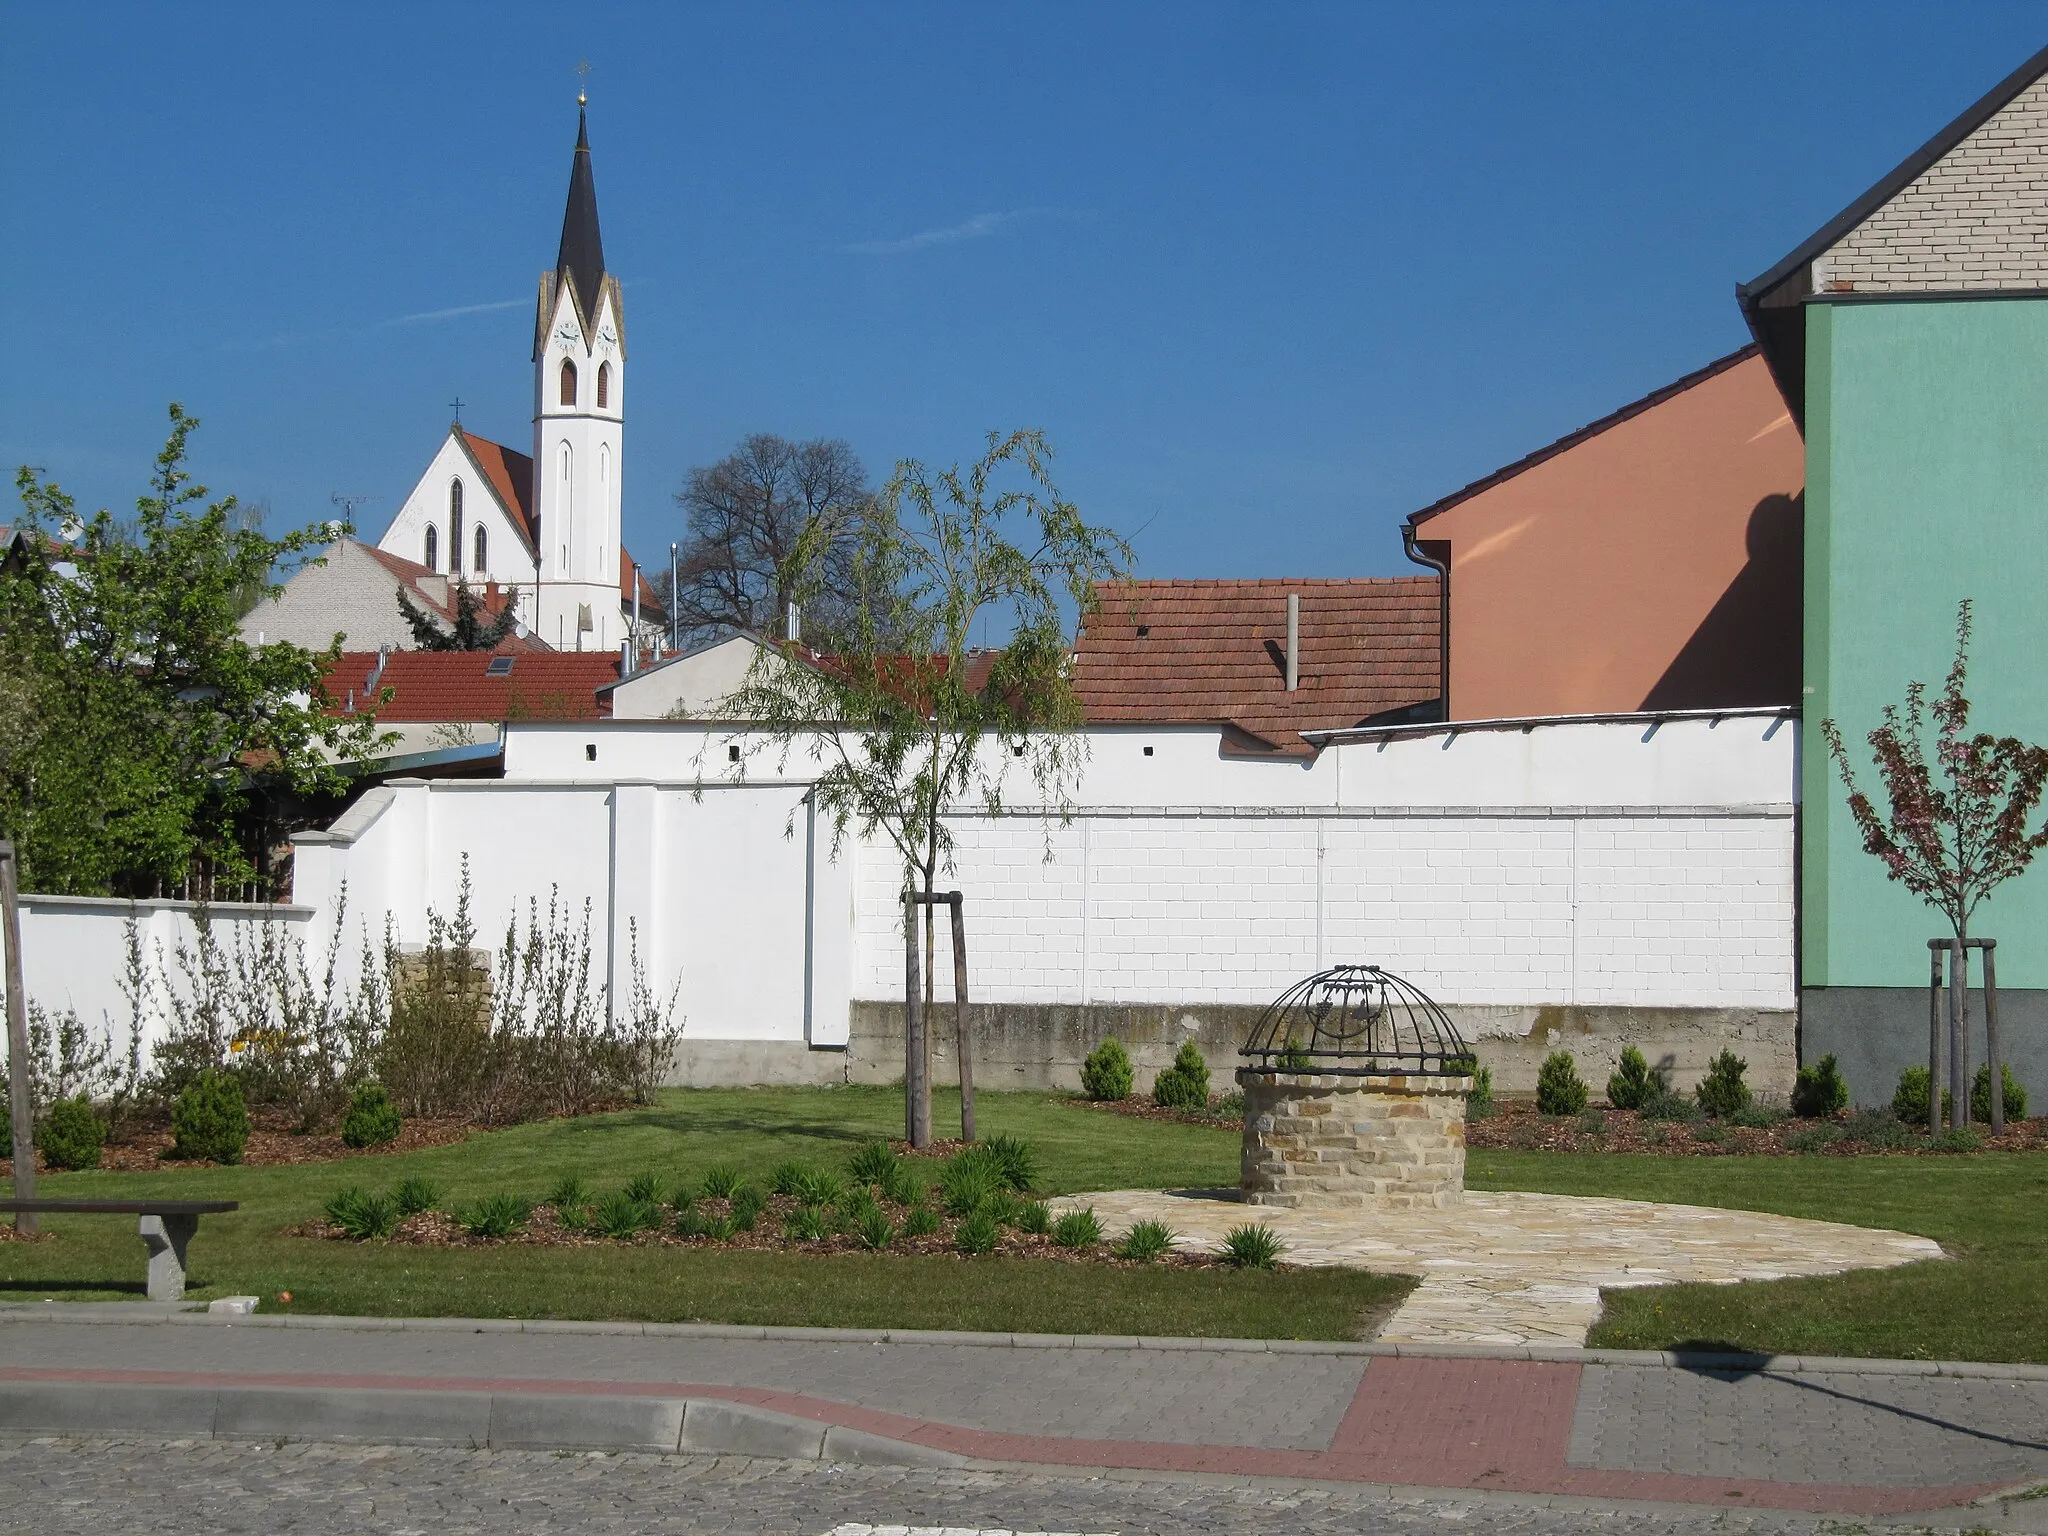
(1270, 277)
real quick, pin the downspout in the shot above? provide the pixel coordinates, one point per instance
(1436, 555)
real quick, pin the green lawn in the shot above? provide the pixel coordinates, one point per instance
(1989, 1210)
(680, 1137)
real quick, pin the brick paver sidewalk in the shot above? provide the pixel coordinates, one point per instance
(1863, 1439)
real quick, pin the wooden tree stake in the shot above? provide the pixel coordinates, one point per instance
(963, 1045)
(20, 1108)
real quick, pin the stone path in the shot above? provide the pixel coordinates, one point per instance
(1512, 1268)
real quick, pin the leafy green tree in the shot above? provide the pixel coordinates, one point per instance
(472, 630)
(906, 710)
(157, 723)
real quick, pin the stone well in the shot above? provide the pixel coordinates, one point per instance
(1327, 1141)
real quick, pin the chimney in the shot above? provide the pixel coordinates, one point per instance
(1293, 641)
(376, 672)
(792, 625)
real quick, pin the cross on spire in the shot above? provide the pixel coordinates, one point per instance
(455, 405)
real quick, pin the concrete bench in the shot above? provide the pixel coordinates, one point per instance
(166, 1227)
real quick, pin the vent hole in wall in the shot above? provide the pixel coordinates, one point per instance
(1148, 751)
(732, 754)
(590, 751)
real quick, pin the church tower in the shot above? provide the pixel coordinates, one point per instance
(579, 397)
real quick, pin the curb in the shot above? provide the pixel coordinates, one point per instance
(466, 1420)
(134, 1314)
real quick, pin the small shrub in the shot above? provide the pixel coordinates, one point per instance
(1670, 1107)
(209, 1121)
(1293, 1058)
(902, 1187)
(1230, 1106)
(1909, 1099)
(1035, 1217)
(720, 1180)
(622, 1214)
(854, 1204)
(1758, 1117)
(1711, 1133)
(816, 1186)
(1980, 1095)
(1722, 1091)
(872, 1162)
(874, 1229)
(1877, 1128)
(1147, 1241)
(1106, 1074)
(416, 1194)
(1634, 1081)
(805, 1224)
(372, 1118)
(1811, 1138)
(1252, 1246)
(569, 1193)
(1656, 1134)
(644, 1188)
(71, 1134)
(363, 1215)
(1559, 1088)
(920, 1221)
(690, 1221)
(966, 1183)
(783, 1179)
(719, 1229)
(497, 1215)
(1591, 1123)
(1077, 1229)
(1014, 1161)
(747, 1205)
(1958, 1138)
(977, 1234)
(1479, 1097)
(1819, 1093)
(1185, 1084)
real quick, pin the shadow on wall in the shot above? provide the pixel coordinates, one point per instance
(1746, 651)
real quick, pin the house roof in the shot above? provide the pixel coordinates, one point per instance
(1770, 302)
(425, 586)
(1162, 652)
(457, 685)
(1615, 418)
(510, 475)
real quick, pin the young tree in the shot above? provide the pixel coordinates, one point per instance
(900, 711)
(472, 630)
(156, 719)
(1956, 828)
(746, 514)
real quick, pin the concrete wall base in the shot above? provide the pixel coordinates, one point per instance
(1042, 1045)
(1875, 1033)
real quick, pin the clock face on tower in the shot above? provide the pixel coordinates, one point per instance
(608, 336)
(567, 334)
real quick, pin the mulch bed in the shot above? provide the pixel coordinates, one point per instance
(544, 1229)
(1145, 1109)
(1519, 1127)
(274, 1141)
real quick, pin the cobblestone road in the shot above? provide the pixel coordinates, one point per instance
(58, 1487)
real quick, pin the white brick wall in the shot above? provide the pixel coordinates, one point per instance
(1592, 908)
(1977, 218)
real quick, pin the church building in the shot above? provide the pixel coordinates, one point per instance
(538, 530)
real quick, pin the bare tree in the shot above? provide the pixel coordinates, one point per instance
(746, 514)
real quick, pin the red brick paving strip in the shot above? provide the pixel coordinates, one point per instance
(1492, 1424)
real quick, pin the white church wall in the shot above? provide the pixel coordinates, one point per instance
(428, 503)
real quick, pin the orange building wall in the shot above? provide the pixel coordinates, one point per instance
(1654, 565)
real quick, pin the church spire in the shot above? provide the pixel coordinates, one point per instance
(581, 260)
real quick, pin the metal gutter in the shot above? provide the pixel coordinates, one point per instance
(1652, 717)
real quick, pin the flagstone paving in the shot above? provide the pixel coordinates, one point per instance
(1513, 1268)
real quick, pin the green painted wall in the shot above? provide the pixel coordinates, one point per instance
(1927, 482)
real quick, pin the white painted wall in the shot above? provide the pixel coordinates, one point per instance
(1587, 862)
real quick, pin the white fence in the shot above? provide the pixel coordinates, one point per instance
(1637, 862)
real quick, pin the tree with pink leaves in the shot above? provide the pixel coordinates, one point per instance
(1955, 831)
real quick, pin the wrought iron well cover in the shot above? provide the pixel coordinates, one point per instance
(1359, 1021)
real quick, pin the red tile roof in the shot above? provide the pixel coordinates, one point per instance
(650, 601)
(493, 596)
(452, 685)
(1159, 652)
(511, 476)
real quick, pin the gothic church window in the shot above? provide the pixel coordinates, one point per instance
(604, 385)
(455, 527)
(568, 382)
(433, 559)
(482, 562)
